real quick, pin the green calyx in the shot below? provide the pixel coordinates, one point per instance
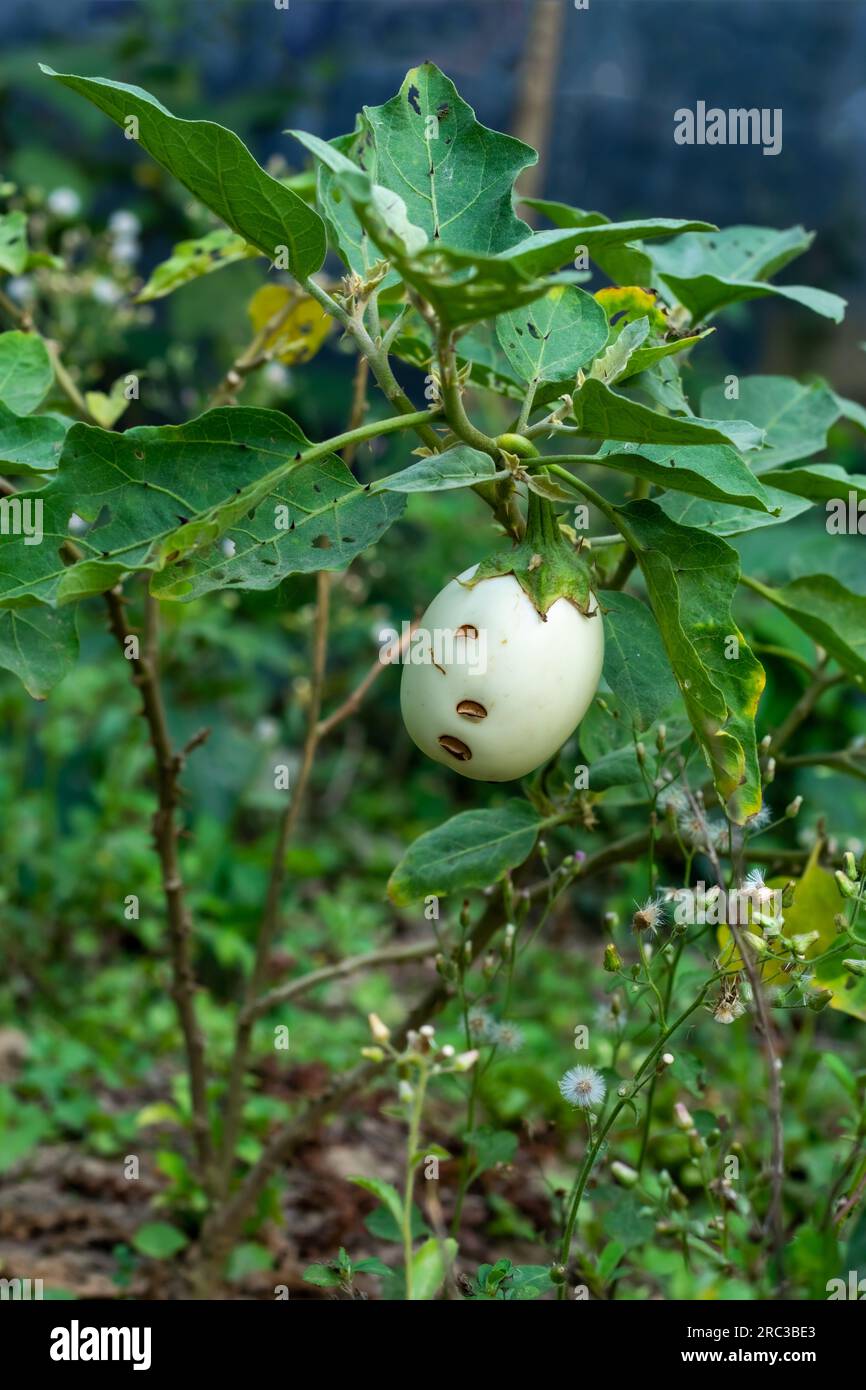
(544, 564)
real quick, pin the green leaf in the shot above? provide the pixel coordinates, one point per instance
(471, 850)
(819, 482)
(609, 1259)
(159, 1240)
(795, 418)
(26, 372)
(559, 333)
(190, 260)
(604, 413)
(831, 614)
(723, 519)
(707, 273)
(429, 1264)
(616, 246)
(461, 466)
(30, 444)
(322, 1276)
(218, 169)
(645, 357)
(691, 578)
(635, 663)
(491, 1146)
(613, 362)
(714, 471)
(372, 1266)
(38, 644)
(177, 489)
(628, 1223)
(248, 1258)
(815, 906)
(386, 1193)
(13, 242)
(454, 175)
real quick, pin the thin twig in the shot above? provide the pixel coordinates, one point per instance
(352, 965)
(169, 766)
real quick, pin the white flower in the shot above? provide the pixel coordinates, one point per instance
(755, 887)
(481, 1025)
(649, 916)
(105, 291)
(64, 202)
(20, 288)
(125, 250)
(508, 1037)
(583, 1086)
(124, 223)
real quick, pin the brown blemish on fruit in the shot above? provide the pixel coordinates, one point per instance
(467, 630)
(456, 747)
(471, 709)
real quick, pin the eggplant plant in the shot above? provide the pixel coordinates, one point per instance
(590, 649)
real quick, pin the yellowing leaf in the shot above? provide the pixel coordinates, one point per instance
(300, 325)
(816, 903)
(632, 301)
(107, 408)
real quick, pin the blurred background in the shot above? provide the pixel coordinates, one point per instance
(595, 90)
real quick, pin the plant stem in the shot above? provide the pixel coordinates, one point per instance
(412, 1141)
(169, 765)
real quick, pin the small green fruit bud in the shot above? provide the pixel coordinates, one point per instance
(846, 887)
(855, 967)
(612, 959)
(625, 1176)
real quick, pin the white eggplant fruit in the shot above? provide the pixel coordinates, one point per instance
(503, 706)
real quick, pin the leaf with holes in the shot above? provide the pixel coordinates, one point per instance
(616, 247)
(159, 490)
(707, 273)
(559, 333)
(216, 166)
(13, 242)
(190, 260)
(714, 471)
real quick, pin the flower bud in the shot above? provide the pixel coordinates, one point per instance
(793, 807)
(612, 959)
(640, 753)
(840, 922)
(625, 1176)
(769, 771)
(405, 1092)
(788, 892)
(846, 887)
(849, 864)
(661, 737)
(755, 943)
(466, 1060)
(804, 940)
(611, 921)
(682, 1118)
(819, 1001)
(855, 967)
(380, 1031)
(557, 1274)
(373, 1054)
